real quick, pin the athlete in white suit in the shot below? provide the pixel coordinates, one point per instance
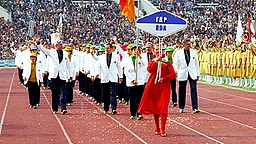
(59, 73)
(186, 66)
(110, 70)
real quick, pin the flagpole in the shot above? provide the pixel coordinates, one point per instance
(158, 75)
(137, 41)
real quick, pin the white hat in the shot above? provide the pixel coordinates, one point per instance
(58, 40)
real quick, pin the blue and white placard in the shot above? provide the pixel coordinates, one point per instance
(161, 23)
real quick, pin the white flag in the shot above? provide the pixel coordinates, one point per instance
(239, 31)
(59, 28)
(31, 26)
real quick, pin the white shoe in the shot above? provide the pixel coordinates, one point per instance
(251, 85)
(254, 85)
(210, 80)
(226, 82)
(234, 82)
(221, 80)
(241, 82)
(230, 82)
(246, 82)
(238, 82)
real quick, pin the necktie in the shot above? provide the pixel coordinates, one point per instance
(187, 56)
(60, 55)
(149, 56)
(108, 59)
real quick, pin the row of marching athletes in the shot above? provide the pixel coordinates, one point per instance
(101, 74)
(57, 63)
(30, 64)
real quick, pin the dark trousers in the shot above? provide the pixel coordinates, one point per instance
(98, 90)
(135, 97)
(34, 93)
(193, 92)
(46, 81)
(123, 90)
(109, 95)
(82, 82)
(69, 90)
(173, 87)
(87, 84)
(58, 93)
(20, 72)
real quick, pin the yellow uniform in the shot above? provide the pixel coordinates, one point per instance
(212, 57)
(248, 62)
(200, 59)
(208, 62)
(223, 63)
(214, 63)
(243, 68)
(253, 74)
(219, 63)
(229, 63)
(238, 64)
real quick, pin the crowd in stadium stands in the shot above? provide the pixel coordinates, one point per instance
(98, 22)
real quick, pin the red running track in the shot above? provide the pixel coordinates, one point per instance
(227, 116)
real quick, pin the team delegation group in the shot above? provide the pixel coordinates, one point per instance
(144, 76)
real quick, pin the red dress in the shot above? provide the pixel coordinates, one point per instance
(156, 96)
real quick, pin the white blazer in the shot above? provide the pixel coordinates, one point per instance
(91, 63)
(113, 72)
(145, 63)
(74, 67)
(27, 72)
(62, 69)
(130, 72)
(82, 60)
(182, 69)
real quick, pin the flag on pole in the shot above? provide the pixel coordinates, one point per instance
(127, 9)
(252, 29)
(239, 31)
(59, 28)
(31, 26)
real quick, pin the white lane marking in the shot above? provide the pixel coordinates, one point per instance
(6, 104)
(58, 120)
(230, 120)
(120, 124)
(229, 104)
(244, 125)
(251, 127)
(229, 94)
(204, 135)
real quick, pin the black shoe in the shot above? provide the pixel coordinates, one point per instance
(63, 112)
(195, 111)
(54, 112)
(140, 117)
(114, 112)
(174, 104)
(34, 107)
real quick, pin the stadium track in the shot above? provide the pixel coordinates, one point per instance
(227, 116)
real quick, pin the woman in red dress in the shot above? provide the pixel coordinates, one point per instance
(157, 95)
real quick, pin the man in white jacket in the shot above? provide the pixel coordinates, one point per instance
(32, 77)
(135, 78)
(186, 66)
(147, 57)
(59, 73)
(110, 70)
